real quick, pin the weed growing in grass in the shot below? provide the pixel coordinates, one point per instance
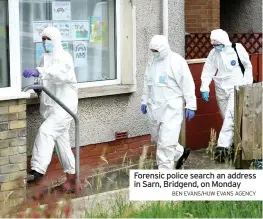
(57, 206)
(201, 209)
(185, 209)
(120, 207)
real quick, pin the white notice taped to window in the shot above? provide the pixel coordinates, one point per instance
(80, 51)
(38, 28)
(61, 10)
(64, 29)
(197, 185)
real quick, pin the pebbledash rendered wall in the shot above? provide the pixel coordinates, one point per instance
(241, 16)
(101, 117)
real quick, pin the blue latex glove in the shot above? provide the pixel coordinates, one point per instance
(30, 73)
(144, 108)
(189, 114)
(205, 96)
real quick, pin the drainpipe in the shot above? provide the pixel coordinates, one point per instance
(133, 4)
(165, 17)
(186, 41)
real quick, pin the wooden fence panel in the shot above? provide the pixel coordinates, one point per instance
(257, 121)
(248, 109)
(247, 124)
(239, 102)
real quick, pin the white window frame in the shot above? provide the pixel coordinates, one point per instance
(14, 48)
(125, 78)
(117, 55)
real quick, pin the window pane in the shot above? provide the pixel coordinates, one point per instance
(87, 28)
(4, 42)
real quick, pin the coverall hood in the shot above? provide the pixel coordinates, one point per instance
(220, 36)
(160, 43)
(55, 36)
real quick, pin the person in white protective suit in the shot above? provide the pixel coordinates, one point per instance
(223, 67)
(56, 73)
(167, 83)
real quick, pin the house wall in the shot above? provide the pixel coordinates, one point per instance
(12, 149)
(101, 117)
(202, 16)
(243, 16)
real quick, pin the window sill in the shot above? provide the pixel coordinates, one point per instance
(106, 90)
(14, 96)
(88, 92)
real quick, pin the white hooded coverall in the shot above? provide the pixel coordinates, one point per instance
(167, 83)
(229, 74)
(58, 76)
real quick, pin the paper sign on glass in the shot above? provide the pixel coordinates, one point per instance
(61, 10)
(65, 30)
(80, 30)
(38, 27)
(95, 29)
(80, 51)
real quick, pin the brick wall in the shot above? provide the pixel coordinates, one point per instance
(12, 148)
(115, 152)
(202, 16)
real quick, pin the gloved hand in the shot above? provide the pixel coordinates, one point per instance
(30, 72)
(189, 114)
(205, 96)
(144, 108)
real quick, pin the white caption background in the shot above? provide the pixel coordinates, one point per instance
(196, 185)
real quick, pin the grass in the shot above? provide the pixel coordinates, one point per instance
(202, 209)
(122, 208)
(187, 209)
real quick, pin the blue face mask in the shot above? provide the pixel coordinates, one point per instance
(156, 54)
(219, 48)
(48, 45)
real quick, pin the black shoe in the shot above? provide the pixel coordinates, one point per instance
(223, 154)
(183, 158)
(257, 164)
(34, 177)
